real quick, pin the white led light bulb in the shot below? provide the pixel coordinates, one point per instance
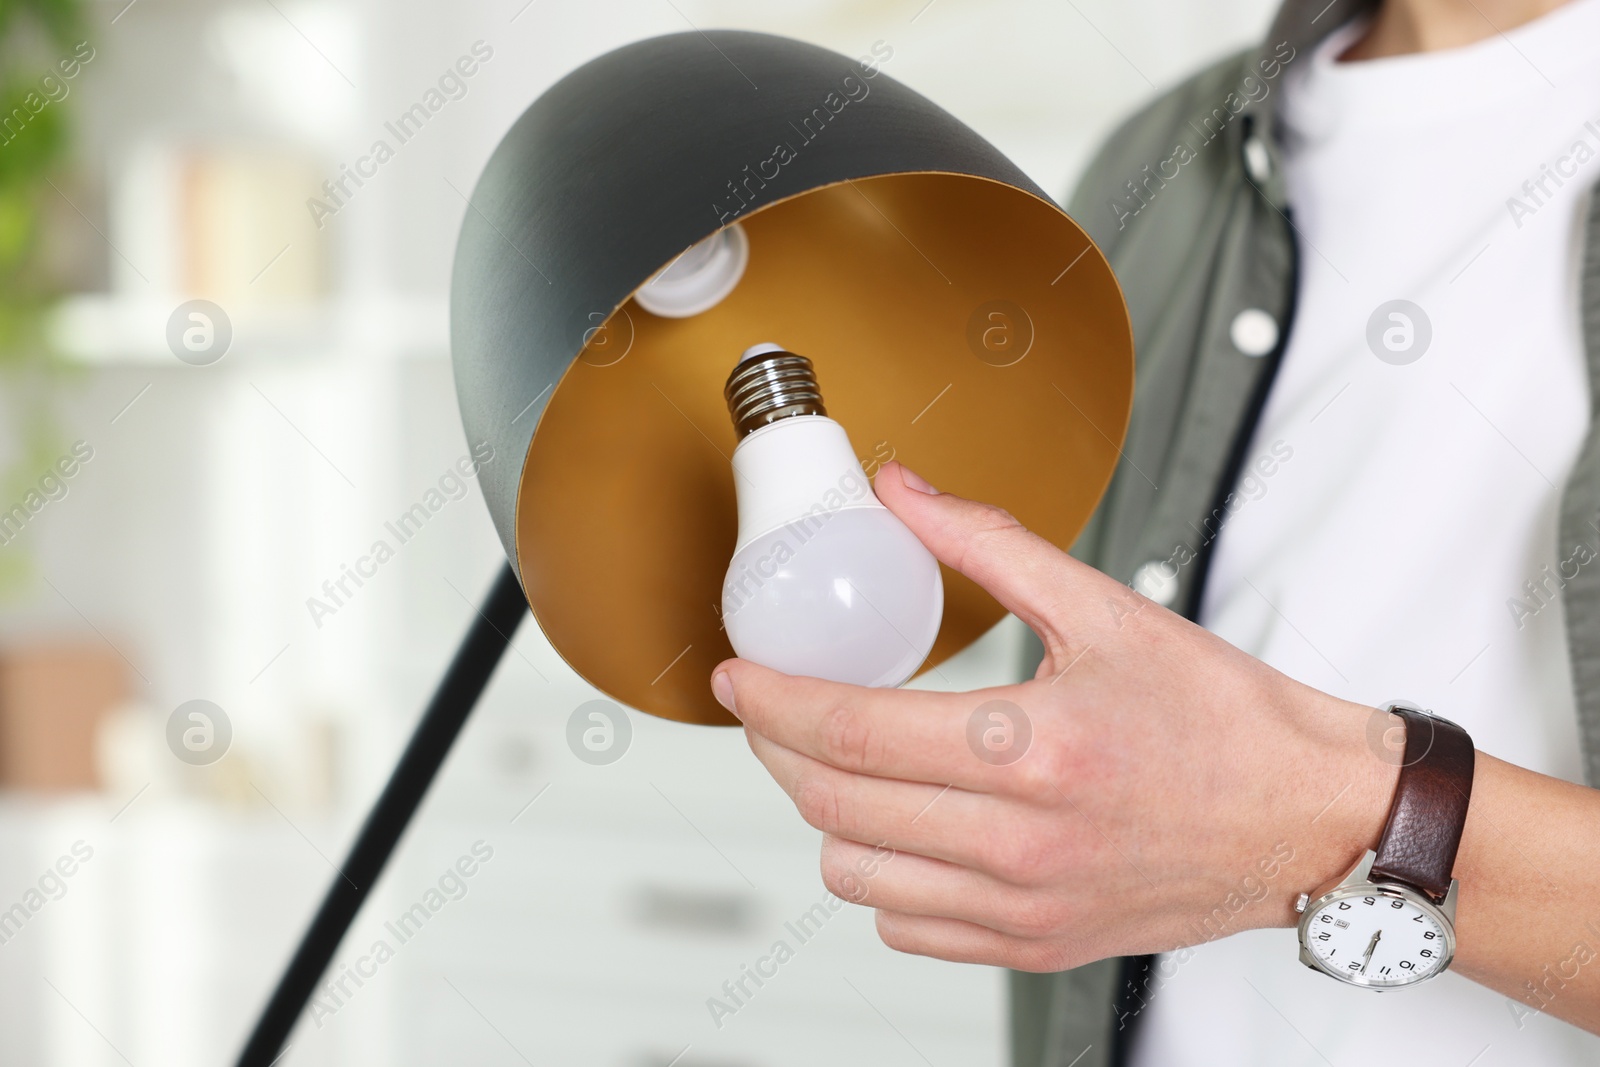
(700, 278)
(825, 581)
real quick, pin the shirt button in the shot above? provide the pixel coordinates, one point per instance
(1157, 580)
(1257, 160)
(1254, 332)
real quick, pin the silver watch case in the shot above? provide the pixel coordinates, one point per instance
(1359, 883)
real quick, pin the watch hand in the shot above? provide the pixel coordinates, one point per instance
(1371, 945)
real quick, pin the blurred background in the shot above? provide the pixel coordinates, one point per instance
(164, 523)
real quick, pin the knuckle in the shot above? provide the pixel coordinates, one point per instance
(1066, 760)
(833, 876)
(843, 878)
(838, 874)
(1037, 916)
(1041, 770)
(1043, 957)
(817, 801)
(993, 527)
(993, 518)
(1024, 856)
(893, 933)
(849, 739)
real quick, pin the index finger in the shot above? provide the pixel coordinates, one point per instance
(912, 735)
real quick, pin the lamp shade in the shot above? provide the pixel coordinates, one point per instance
(957, 319)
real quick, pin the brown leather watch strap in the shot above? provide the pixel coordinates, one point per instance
(1419, 842)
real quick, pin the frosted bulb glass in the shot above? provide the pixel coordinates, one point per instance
(852, 598)
(825, 581)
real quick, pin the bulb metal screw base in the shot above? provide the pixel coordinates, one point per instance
(769, 386)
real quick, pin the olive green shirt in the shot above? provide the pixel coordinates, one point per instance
(1187, 200)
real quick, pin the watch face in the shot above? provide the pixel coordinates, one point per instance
(1376, 936)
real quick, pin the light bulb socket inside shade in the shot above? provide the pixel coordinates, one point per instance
(700, 278)
(770, 385)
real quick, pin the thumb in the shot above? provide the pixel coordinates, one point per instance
(1029, 576)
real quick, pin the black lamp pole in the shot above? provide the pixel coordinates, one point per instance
(463, 683)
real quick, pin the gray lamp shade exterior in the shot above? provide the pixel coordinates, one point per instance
(641, 153)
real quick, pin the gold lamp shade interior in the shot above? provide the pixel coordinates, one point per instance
(963, 326)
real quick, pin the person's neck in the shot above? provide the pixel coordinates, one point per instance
(1402, 27)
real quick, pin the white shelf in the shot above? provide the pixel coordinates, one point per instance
(107, 330)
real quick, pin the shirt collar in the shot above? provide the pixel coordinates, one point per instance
(1303, 24)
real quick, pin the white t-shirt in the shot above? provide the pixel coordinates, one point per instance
(1385, 557)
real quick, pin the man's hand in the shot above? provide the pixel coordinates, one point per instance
(1151, 787)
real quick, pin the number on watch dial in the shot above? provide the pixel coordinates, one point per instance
(1376, 940)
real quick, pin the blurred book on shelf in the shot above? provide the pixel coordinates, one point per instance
(224, 222)
(244, 232)
(53, 697)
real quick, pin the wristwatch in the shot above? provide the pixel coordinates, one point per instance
(1391, 921)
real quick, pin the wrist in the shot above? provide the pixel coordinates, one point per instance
(1347, 784)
